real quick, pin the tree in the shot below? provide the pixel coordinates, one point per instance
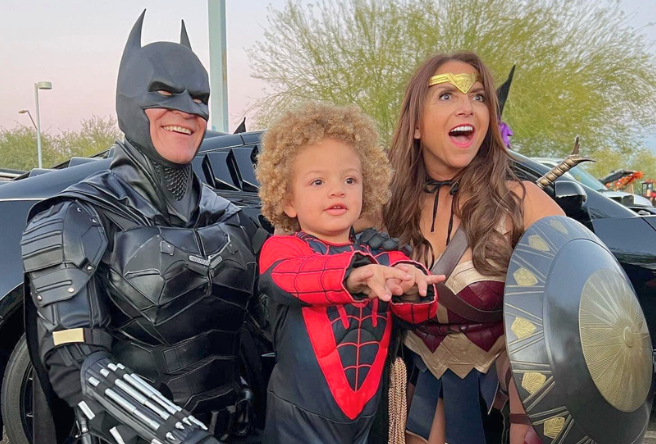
(643, 159)
(609, 159)
(18, 145)
(580, 68)
(18, 148)
(96, 135)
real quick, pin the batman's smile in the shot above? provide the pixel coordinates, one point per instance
(176, 135)
(177, 129)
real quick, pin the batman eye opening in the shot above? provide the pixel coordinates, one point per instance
(200, 98)
(165, 93)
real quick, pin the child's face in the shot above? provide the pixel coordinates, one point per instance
(326, 190)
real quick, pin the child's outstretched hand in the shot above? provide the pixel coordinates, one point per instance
(372, 280)
(416, 286)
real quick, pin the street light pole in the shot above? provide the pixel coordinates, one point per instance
(218, 65)
(37, 87)
(23, 111)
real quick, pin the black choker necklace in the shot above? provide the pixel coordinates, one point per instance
(433, 186)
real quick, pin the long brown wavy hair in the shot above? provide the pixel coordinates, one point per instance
(483, 183)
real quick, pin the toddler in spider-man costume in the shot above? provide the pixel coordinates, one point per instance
(330, 301)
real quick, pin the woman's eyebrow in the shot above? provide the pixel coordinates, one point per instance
(445, 87)
(435, 91)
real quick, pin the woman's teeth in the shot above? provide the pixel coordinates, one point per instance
(462, 134)
(177, 129)
(465, 129)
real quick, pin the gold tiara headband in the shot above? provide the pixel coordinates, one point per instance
(463, 82)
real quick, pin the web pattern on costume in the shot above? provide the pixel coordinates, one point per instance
(348, 335)
(314, 280)
(357, 329)
(358, 332)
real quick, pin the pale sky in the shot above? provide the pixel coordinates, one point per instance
(77, 45)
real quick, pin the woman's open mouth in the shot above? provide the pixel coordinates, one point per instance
(462, 135)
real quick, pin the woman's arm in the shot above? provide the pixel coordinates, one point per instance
(536, 203)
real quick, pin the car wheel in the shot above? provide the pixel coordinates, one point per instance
(17, 410)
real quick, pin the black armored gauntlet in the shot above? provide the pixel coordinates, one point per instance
(140, 410)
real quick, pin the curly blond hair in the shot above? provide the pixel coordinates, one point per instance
(308, 125)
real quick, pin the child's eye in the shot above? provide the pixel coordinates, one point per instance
(317, 182)
(351, 180)
(163, 92)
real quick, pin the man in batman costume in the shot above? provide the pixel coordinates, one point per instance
(138, 279)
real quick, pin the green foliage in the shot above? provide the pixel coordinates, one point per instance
(18, 148)
(644, 160)
(607, 160)
(18, 145)
(580, 68)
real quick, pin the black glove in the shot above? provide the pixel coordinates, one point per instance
(201, 437)
(244, 413)
(381, 241)
(113, 393)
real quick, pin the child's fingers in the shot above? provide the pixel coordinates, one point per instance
(361, 274)
(385, 297)
(405, 267)
(378, 289)
(422, 286)
(395, 273)
(357, 280)
(435, 278)
(423, 281)
(395, 287)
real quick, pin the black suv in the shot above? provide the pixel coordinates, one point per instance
(226, 162)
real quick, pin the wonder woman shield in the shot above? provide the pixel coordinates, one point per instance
(577, 339)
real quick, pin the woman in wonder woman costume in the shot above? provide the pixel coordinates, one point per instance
(456, 201)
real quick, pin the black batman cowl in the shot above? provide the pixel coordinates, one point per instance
(145, 72)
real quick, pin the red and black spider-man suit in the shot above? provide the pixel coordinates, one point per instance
(331, 346)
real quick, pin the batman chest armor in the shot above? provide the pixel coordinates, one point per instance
(171, 284)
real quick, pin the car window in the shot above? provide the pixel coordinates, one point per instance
(587, 179)
(579, 174)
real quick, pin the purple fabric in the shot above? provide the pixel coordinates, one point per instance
(506, 133)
